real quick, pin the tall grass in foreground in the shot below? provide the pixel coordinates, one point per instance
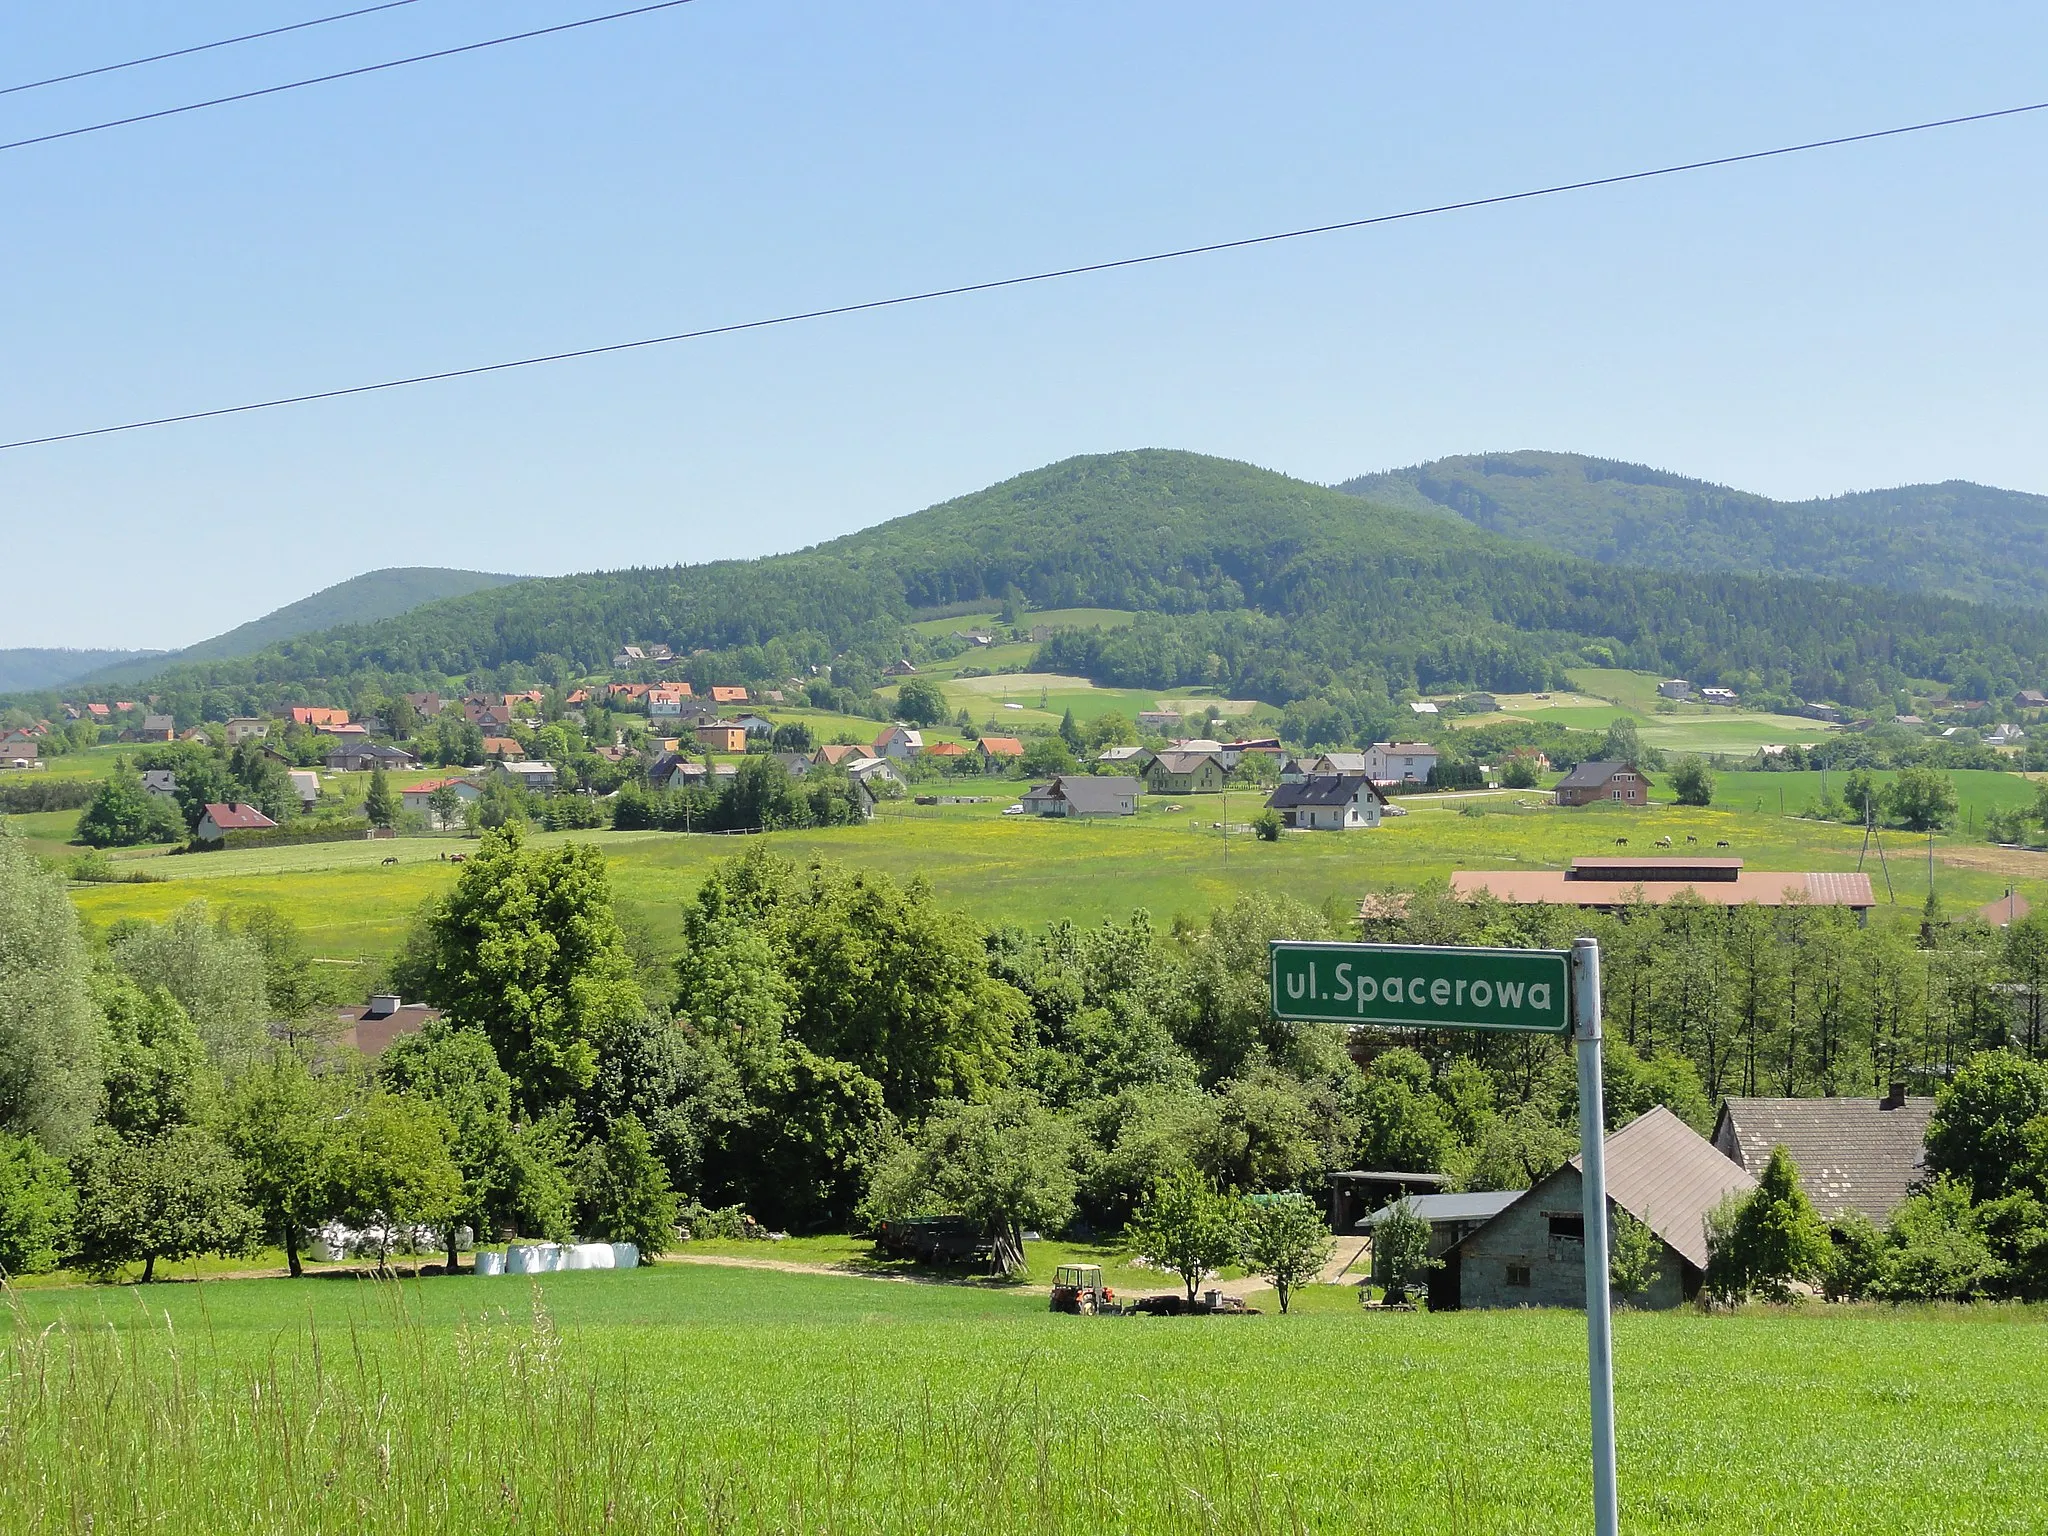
(388, 1424)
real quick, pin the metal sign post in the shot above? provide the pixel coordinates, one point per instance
(1528, 991)
(1593, 1183)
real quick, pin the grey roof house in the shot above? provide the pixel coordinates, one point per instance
(1533, 1254)
(1853, 1154)
(1329, 802)
(362, 756)
(1081, 794)
(1451, 1219)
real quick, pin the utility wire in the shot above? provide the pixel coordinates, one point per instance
(342, 74)
(179, 53)
(994, 284)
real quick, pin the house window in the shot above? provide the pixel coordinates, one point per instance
(1518, 1274)
(1569, 1228)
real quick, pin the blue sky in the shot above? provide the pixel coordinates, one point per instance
(1850, 319)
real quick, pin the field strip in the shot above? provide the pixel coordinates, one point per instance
(1243, 1286)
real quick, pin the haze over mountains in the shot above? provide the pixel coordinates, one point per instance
(1243, 578)
(1957, 539)
(361, 599)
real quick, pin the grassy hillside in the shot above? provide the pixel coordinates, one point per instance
(360, 600)
(1242, 580)
(1955, 539)
(25, 668)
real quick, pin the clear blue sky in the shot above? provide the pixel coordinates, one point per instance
(1851, 319)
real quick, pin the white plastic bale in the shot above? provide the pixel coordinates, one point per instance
(625, 1255)
(554, 1257)
(590, 1256)
(523, 1259)
(488, 1263)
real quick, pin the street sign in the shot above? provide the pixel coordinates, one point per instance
(1546, 991)
(1420, 986)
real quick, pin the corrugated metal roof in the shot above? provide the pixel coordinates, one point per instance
(1766, 888)
(1474, 1205)
(1853, 1154)
(1668, 1176)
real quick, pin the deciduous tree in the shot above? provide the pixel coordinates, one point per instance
(49, 1024)
(174, 1196)
(1286, 1240)
(280, 1121)
(1186, 1227)
(626, 1196)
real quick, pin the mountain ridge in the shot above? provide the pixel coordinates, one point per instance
(1953, 538)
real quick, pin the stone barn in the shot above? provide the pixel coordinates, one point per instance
(1659, 1170)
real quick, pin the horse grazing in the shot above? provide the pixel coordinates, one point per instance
(1621, 842)
(1663, 842)
(1722, 844)
(389, 862)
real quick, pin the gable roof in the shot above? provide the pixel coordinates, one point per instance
(235, 817)
(1186, 762)
(1669, 1177)
(1594, 774)
(721, 694)
(1002, 746)
(1325, 789)
(945, 749)
(1091, 792)
(1853, 1154)
(1472, 1205)
(834, 753)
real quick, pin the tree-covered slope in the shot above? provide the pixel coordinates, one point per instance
(1244, 578)
(1955, 539)
(360, 600)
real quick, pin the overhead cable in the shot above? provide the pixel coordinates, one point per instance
(179, 53)
(341, 74)
(992, 284)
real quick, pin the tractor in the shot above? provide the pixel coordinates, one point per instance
(1078, 1288)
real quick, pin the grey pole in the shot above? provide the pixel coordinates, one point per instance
(1593, 1166)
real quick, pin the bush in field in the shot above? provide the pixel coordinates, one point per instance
(1267, 825)
(1285, 1239)
(1693, 781)
(1936, 1251)
(1768, 1240)
(1187, 1227)
(921, 702)
(1978, 1133)
(36, 1207)
(626, 1194)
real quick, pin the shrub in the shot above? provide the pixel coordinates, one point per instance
(1764, 1242)
(1267, 825)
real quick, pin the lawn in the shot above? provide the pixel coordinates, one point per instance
(1025, 870)
(694, 1398)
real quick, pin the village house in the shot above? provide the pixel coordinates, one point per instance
(1717, 695)
(728, 695)
(664, 703)
(363, 756)
(1675, 688)
(628, 693)
(219, 820)
(2030, 698)
(198, 735)
(833, 754)
(501, 746)
(1000, 751)
(1603, 782)
(2004, 735)
(755, 725)
(1329, 802)
(899, 743)
(1397, 762)
(372, 1027)
(946, 751)
(21, 750)
(1125, 757)
(1185, 773)
(1860, 1155)
(1081, 794)
(314, 716)
(1307, 764)
(902, 668)
(245, 728)
(530, 774)
(162, 782)
(2007, 910)
(721, 736)
(420, 798)
(157, 728)
(1533, 1253)
(425, 705)
(1160, 720)
(306, 784)
(1424, 707)
(795, 764)
(869, 770)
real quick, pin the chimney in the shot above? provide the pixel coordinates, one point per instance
(384, 1003)
(1896, 1099)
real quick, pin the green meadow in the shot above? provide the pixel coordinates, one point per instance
(693, 1398)
(1031, 871)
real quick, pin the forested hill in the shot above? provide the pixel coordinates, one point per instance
(1955, 539)
(359, 600)
(1250, 580)
(26, 667)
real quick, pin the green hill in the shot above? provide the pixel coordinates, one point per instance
(360, 600)
(29, 667)
(1955, 539)
(1243, 579)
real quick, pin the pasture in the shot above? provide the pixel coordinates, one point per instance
(1025, 870)
(691, 1398)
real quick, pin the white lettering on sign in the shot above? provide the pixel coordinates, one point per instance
(1416, 991)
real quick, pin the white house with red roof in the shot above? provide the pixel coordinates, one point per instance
(220, 820)
(419, 797)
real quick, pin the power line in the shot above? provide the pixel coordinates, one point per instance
(179, 53)
(993, 284)
(342, 74)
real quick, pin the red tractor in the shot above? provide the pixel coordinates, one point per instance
(1078, 1288)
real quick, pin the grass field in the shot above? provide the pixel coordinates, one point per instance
(691, 1398)
(1022, 869)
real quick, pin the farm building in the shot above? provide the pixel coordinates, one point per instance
(1329, 802)
(1081, 794)
(1158, 719)
(372, 1027)
(1614, 884)
(306, 785)
(1599, 783)
(1853, 1154)
(1354, 1192)
(1533, 1253)
(1451, 1218)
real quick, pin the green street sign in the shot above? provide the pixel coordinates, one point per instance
(1423, 986)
